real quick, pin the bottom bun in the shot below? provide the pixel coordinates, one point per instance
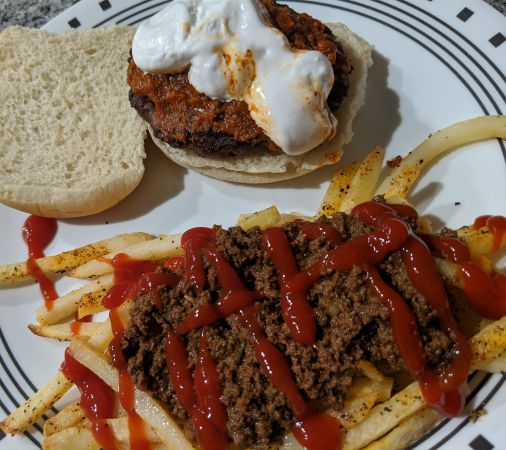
(268, 168)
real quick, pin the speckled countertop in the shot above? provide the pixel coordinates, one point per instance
(36, 13)
(33, 13)
(498, 4)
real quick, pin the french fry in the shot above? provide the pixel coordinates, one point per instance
(402, 178)
(479, 241)
(290, 217)
(119, 427)
(290, 443)
(384, 417)
(149, 409)
(31, 410)
(91, 303)
(488, 343)
(337, 191)
(408, 431)
(374, 374)
(69, 416)
(363, 394)
(496, 365)
(66, 306)
(364, 181)
(63, 331)
(81, 436)
(73, 438)
(450, 271)
(103, 336)
(423, 225)
(266, 218)
(63, 262)
(157, 249)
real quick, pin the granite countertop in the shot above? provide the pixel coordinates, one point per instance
(36, 13)
(32, 13)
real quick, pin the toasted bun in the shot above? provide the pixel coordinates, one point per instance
(270, 168)
(71, 144)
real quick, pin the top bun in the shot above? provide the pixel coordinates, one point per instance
(71, 144)
(267, 168)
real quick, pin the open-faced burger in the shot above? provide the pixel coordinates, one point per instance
(246, 90)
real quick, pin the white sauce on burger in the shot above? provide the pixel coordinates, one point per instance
(234, 53)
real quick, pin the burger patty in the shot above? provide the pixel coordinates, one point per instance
(352, 325)
(186, 118)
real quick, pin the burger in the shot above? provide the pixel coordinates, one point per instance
(247, 90)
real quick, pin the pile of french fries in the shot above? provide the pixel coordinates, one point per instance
(374, 416)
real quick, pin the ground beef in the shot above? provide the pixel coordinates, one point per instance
(184, 117)
(352, 325)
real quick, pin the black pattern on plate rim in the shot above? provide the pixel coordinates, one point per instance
(475, 47)
(465, 14)
(497, 39)
(456, 44)
(28, 434)
(105, 5)
(423, 45)
(74, 23)
(481, 443)
(19, 369)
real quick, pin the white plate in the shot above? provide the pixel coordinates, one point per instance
(431, 69)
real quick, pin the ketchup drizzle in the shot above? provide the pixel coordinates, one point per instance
(209, 414)
(273, 362)
(390, 233)
(75, 326)
(295, 308)
(403, 321)
(97, 399)
(137, 434)
(444, 391)
(193, 241)
(235, 298)
(496, 225)
(130, 279)
(38, 232)
(198, 395)
(179, 372)
(485, 293)
(425, 277)
(174, 263)
(314, 230)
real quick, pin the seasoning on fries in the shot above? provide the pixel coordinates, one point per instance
(286, 330)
